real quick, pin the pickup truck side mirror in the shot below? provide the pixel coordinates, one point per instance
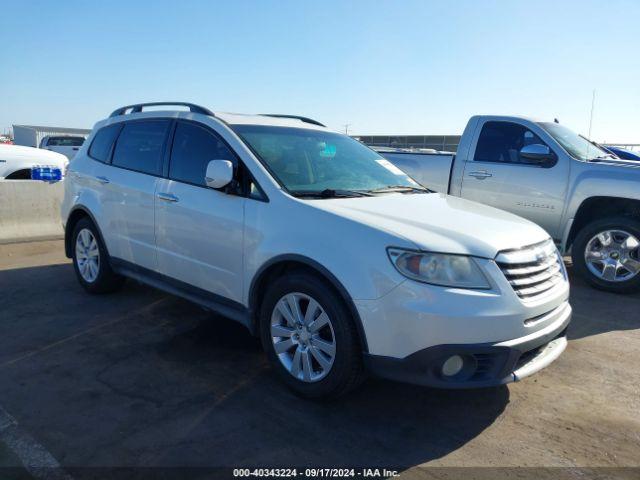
(536, 153)
(219, 173)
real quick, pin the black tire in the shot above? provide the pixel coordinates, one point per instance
(627, 224)
(347, 371)
(107, 280)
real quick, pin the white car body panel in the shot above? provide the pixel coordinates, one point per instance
(200, 237)
(440, 223)
(127, 203)
(16, 157)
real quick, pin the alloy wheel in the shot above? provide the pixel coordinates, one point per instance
(303, 337)
(613, 255)
(87, 255)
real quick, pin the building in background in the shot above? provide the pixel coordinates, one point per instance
(447, 143)
(32, 135)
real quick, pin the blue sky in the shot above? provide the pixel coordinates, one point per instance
(399, 67)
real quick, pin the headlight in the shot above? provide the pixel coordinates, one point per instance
(438, 268)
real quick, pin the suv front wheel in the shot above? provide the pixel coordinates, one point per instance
(309, 336)
(607, 254)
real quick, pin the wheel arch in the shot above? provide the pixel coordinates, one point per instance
(77, 213)
(283, 264)
(20, 174)
(600, 207)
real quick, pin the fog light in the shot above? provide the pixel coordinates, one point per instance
(452, 366)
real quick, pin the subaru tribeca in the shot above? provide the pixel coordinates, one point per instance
(335, 258)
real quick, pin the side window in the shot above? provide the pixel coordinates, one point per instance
(502, 141)
(193, 148)
(140, 146)
(100, 148)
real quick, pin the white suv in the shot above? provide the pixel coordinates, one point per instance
(339, 261)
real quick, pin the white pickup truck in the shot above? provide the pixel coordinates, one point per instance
(67, 145)
(584, 197)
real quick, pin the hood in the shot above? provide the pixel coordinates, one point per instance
(31, 155)
(616, 162)
(440, 223)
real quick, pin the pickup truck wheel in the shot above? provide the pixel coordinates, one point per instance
(310, 338)
(607, 254)
(91, 260)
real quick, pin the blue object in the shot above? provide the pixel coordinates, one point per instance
(622, 153)
(46, 174)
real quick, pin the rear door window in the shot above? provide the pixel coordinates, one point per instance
(193, 148)
(140, 146)
(102, 143)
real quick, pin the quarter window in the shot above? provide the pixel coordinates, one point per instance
(502, 141)
(103, 142)
(140, 146)
(193, 148)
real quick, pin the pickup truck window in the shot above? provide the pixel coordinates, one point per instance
(502, 141)
(309, 161)
(575, 145)
(65, 141)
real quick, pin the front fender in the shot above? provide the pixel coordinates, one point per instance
(354, 254)
(591, 181)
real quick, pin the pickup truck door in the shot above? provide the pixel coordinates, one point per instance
(496, 174)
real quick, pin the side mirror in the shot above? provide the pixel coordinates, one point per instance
(536, 153)
(219, 173)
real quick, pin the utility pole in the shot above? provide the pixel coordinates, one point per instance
(346, 128)
(593, 102)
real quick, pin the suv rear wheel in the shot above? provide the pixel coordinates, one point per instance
(91, 260)
(607, 254)
(310, 338)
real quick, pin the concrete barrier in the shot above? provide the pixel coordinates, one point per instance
(30, 210)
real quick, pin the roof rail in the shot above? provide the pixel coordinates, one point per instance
(136, 108)
(297, 117)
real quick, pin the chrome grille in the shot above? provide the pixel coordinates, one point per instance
(532, 270)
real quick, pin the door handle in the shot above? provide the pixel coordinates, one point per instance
(102, 180)
(480, 175)
(167, 197)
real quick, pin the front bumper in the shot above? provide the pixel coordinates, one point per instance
(484, 365)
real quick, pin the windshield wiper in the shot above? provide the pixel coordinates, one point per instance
(400, 188)
(329, 193)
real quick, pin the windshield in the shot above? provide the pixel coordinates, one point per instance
(578, 147)
(315, 160)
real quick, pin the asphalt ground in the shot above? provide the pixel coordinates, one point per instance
(150, 382)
